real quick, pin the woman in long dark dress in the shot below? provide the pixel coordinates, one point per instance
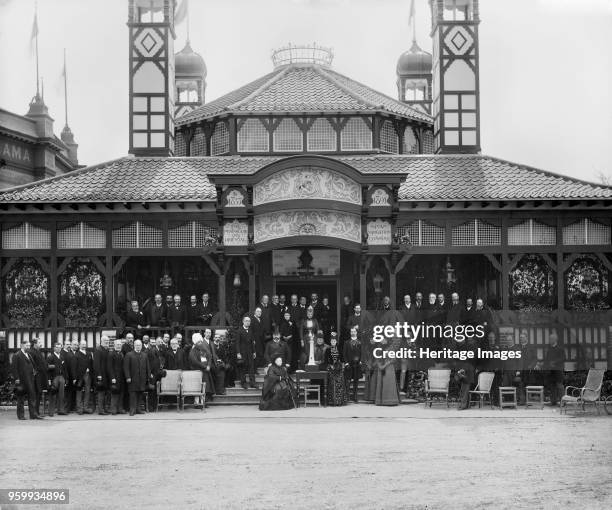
(352, 360)
(278, 391)
(336, 387)
(386, 392)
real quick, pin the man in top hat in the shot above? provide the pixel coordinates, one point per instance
(23, 373)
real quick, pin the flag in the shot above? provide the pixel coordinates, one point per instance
(411, 12)
(182, 12)
(34, 34)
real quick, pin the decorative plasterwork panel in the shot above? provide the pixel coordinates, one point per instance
(305, 183)
(279, 224)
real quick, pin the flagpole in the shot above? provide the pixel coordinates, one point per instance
(36, 35)
(187, 5)
(412, 15)
(65, 89)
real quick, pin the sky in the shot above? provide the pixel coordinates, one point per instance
(545, 69)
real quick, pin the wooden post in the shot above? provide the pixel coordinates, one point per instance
(53, 287)
(252, 271)
(109, 276)
(560, 270)
(362, 281)
(505, 286)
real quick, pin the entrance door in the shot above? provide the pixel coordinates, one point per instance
(307, 287)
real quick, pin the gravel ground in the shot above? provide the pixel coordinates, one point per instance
(358, 456)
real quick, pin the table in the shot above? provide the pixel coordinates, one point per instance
(309, 376)
(534, 395)
(508, 391)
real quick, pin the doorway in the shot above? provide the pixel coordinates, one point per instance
(323, 288)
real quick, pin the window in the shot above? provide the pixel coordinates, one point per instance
(180, 148)
(388, 138)
(253, 137)
(198, 143)
(321, 136)
(356, 135)
(411, 145)
(26, 236)
(81, 235)
(288, 137)
(219, 143)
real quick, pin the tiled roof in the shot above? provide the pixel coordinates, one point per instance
(427, 177)
(303, 88)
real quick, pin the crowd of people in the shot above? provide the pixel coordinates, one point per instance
(280, 337)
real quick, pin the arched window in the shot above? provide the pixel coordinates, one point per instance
(81, 288)
(26, 295)
(253, 137)
(219, 142)
(321, 136)
(389, 141)
(356, 135)
(288, 137)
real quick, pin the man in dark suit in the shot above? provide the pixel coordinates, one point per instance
(245, 353)
(157, 363)
(69, 390)
(257, 332)
(135, 319)
(408, 311)
(482, 317)
(454, 315)
(419, 306)
(177, 315)
(266, 318)
(295, 310)
(56, 372)
(206, 310)
(468, 312)
(175, 356)
(316, 305)
(276, 312)
(158, 313)
(100, 370)
(82, 368)
(40, 371)
(137, 376)
(128, 344)
(23, 373)
(193, 312)
(116, 378)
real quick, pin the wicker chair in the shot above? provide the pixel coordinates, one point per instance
(588, 394)
(483, 388)
(438, 380)
(193, 386)
(169, 386)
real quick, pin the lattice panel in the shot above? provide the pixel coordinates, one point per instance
(356, 135)
(531, 232)
(253, 137)
(125, 236)
(464, 234)
(411, 145)
(597, 233)
(219, 142)
(432, 235)
(181, 236)
(180, 147)
(321, 136)
(149, 236)
(288, 137)
(15, 238)
(198, 143)
(204, 235)
(428, 142)
(81, 235)
(487, 234)
(389, 141)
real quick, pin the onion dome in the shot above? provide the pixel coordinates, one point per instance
(188, 62)
(415, 61)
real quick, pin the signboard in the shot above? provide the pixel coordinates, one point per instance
(16, 152)
(324, 262)
(379, 232)
(235, 233)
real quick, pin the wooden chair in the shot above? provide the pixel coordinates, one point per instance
(588, 394)
(193, 386)
(483, 388)
(312, 389)
(169, 386)
(438, 380)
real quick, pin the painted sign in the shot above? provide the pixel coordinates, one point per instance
(235, 233)
(379, 232)
(16, 152)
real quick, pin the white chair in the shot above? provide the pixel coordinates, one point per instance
(588, 394)
(438, 380)
(483, 388)
(169, 386)
(193, 386)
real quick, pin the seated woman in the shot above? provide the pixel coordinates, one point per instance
(278, 391)
(386, 392)
(336, 388)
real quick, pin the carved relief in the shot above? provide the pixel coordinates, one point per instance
(281, 224)
(379, 232)
(235, 233)
(234, 199)
(380, 197)
(304, 183)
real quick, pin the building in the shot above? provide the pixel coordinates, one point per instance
(29, 149)
(306, 180)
